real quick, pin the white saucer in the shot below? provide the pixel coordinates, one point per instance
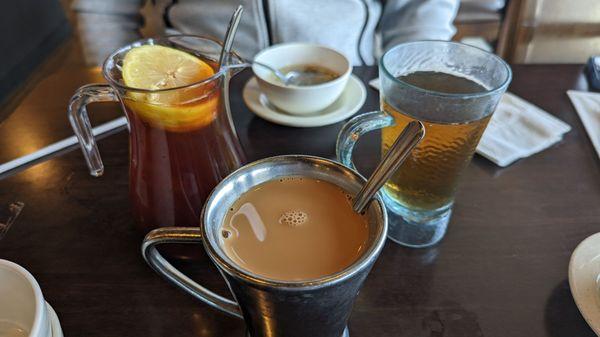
(584, 280)
(352, 98)
(54, 322)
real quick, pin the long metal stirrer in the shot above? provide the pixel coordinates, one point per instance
(230, 35)
(412, 134)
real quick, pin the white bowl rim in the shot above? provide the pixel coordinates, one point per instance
(573, 275)
(40, 303)
(340, 78)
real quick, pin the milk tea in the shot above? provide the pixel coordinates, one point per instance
(293, 229)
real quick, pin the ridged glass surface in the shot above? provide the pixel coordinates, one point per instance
(427, 180)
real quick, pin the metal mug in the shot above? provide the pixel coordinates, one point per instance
(316, 308)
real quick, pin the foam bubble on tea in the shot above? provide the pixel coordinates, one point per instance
(293, 218)
(293, 229)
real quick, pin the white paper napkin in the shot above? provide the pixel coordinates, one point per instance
(587, 105)
(518, 129)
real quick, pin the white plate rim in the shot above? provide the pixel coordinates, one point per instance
(304, 121)
(587, 306)
(55, 327)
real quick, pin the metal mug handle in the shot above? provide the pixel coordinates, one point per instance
(80, 121)
(355, 128)
(165, 269)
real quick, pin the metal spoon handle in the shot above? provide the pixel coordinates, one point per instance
(274, 70)
(230, 35)
(249, 63)
(412, 134)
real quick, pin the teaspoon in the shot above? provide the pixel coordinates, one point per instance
(289, 78)
(230, 35)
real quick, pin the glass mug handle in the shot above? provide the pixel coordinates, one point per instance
(355, 128)
(81, 125)
(165, 269)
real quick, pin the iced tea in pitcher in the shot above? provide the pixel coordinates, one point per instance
(182, 141)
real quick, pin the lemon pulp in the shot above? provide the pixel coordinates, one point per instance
(153, 67)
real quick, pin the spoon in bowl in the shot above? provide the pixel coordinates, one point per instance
(289, 78)
(410, 137)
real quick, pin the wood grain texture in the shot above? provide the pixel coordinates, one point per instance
(500, 271)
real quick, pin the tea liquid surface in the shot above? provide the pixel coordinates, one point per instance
(309, 74)
(294, 229)
(442, 82)
(10, 329)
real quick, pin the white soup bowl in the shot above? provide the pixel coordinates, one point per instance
(301, 100)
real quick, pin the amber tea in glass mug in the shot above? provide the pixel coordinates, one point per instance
(182, 139)
(453, 89)
(427, 181)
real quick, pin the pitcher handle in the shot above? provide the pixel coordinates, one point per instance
(355, 128)
(165, 269)
(80, 122)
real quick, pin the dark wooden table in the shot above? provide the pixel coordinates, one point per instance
(500, 271)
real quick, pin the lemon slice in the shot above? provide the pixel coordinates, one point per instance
(153, 67)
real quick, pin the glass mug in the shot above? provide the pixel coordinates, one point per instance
(271, 308)
(182, 140)
(420, 195)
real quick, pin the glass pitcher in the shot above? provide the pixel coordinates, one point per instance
(182, 140)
